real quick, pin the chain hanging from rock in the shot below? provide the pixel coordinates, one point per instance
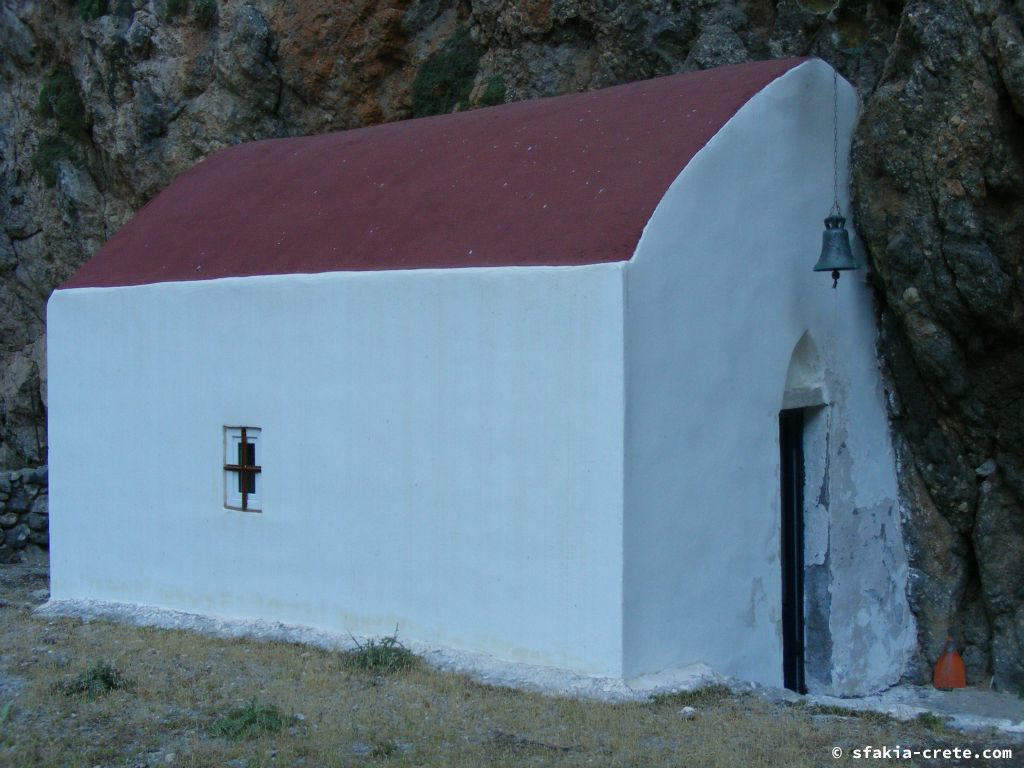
(835, 143)
(835, 242)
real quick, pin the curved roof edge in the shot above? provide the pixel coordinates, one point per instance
(559, 181)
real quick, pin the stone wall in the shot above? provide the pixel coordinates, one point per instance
(24, 512)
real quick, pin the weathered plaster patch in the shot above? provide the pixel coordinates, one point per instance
(817, 569)
(818, 643)
(858, 634)
(823, 491)
(868, 620)
(757, 601)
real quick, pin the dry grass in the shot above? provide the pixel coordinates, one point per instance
(200, 701)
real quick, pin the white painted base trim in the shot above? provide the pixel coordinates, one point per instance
(480, 666)
(902, 702)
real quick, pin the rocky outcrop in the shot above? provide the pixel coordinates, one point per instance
(106, 100)
(24, 512)
(104, 103)
(939, 189)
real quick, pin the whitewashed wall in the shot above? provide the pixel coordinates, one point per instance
(718, 295)
(441, 450)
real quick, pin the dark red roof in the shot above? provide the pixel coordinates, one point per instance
(559, 181)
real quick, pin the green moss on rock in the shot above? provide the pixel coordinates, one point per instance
(59, 99)
(444, 81)
(852, 31)
(494, 92)
(204, 12)
(50, 151)
(92, 9)
(820, 7)
(173, 8)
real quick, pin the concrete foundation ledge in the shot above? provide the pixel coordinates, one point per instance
(967, 709)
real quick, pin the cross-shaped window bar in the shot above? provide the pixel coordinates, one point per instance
(247, 468)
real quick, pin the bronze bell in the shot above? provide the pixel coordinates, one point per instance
(835, 248)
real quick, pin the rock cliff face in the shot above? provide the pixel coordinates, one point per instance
(939, 188)
(105, 101)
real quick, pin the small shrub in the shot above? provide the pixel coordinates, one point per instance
(93, 9)
(446, 78)
(204, 12)
(250, 722)
(100, 679)
(59, 99)
(708, 695)
(51, 149)
(494, 92)
(382, 657)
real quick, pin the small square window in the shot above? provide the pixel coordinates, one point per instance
(243, 483)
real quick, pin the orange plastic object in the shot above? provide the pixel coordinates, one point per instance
(949, 670)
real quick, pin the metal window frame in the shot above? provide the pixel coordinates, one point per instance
(241, 470)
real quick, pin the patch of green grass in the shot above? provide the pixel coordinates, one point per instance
(445, 79)
(382, 657)
(513, 742)
(59, 99)
(5, 711)
(931, 721)
(879, 718)
(384, 748)
(92, 9)
(44, 161)
(709, 695)
(494, 92)
(101, 678)
(204, 12)
(250, 722)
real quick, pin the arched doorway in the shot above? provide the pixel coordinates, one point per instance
(802, 426)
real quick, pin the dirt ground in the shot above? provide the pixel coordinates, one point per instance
(84, 694)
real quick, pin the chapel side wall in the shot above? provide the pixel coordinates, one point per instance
(441, 452)
(717, 296)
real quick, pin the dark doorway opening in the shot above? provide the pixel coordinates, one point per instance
(791, 444)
